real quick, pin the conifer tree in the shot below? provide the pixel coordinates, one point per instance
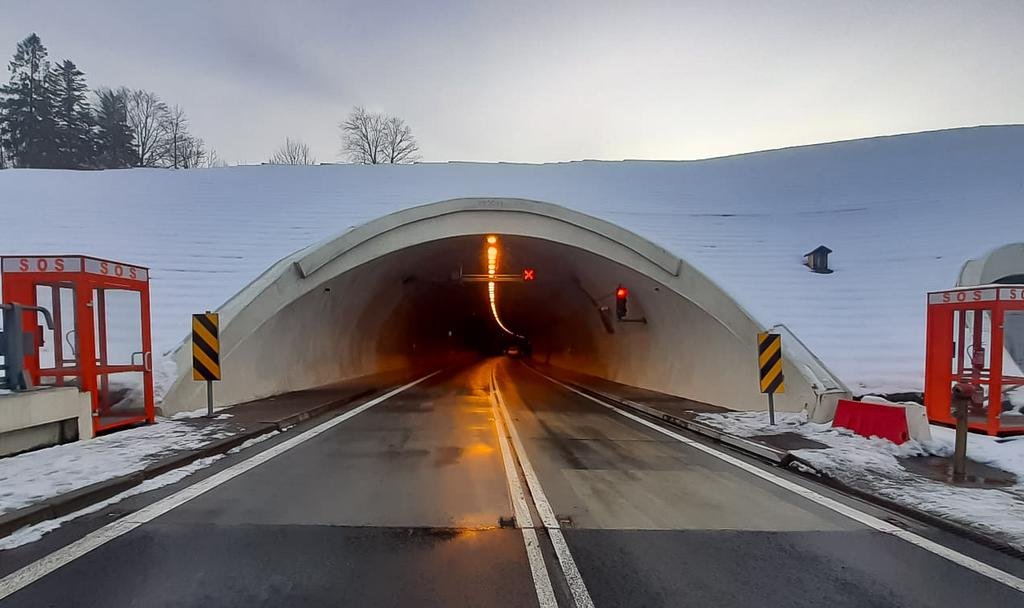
(75, 139)
(26, 108)
(113, 135)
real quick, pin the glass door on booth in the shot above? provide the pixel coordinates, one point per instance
(58, 353)
(1013, 364)
(119, 354)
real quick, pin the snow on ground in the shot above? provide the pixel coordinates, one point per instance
(201, 412)
(871, 464)
(902, 214)
(36, 476)
(34, 532)
(248, 443)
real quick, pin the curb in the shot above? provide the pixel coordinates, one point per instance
(963, 530)
(75, 500)
(807, 470)
(319, 410)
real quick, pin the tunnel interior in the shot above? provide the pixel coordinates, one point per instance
(424, 304)
(445, 304)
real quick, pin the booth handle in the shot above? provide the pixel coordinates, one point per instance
(147, 360)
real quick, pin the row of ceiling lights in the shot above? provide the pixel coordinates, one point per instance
(492, 270)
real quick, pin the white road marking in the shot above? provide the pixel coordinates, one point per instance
(67, 554)
(547, 516)
(859, 516)
(541, 580)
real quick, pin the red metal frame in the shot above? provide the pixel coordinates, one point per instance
(958, 350)
(89, 279)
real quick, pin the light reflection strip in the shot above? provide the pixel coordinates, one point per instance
(492, 269)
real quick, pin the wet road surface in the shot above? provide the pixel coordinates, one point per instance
(403, 505)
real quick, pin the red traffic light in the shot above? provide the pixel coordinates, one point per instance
(621, 293)
(528, 274)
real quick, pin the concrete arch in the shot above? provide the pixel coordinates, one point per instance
(995, 266)
(340, 308)
(1003, 264)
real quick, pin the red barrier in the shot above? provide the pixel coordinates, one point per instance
(873, 419)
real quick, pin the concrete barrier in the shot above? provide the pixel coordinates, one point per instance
(43, 417)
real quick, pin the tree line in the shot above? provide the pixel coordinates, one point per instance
(49, 120)
(367, 138)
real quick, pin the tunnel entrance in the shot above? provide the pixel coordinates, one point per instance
(394, 293)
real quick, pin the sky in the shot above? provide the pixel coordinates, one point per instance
(549, 81)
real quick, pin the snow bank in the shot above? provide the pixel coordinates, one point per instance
(873, 464)
(34, 532)
(35, 476)
(902, 214)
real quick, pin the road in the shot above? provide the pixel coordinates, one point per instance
(407, 503)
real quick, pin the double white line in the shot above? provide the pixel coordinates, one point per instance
(542, 582)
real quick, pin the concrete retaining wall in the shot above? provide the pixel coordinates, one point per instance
(43, 417)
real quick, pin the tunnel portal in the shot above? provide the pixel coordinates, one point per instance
(394, 293)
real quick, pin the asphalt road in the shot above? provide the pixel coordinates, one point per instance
(400, 506)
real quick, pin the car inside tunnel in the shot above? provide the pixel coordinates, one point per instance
(415, 293)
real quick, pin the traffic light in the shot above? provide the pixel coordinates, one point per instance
(528, 274)
(621, 295)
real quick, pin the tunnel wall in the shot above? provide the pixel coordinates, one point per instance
(998, 265)
(1004, 261)
(697, 342)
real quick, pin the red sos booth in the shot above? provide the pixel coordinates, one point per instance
(100, 341)
(971, 356)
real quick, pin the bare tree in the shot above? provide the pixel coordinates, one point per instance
(399, 144)
(177, 140)
(147, 117)
(372, 138)
(213, 159)
(191, 153)
(362, 136)
(292, 152)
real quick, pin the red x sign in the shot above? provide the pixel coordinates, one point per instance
(528, 274)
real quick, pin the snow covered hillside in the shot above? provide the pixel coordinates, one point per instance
(902, 214)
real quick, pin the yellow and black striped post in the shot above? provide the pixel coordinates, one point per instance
(206, 352)
(769, 362)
